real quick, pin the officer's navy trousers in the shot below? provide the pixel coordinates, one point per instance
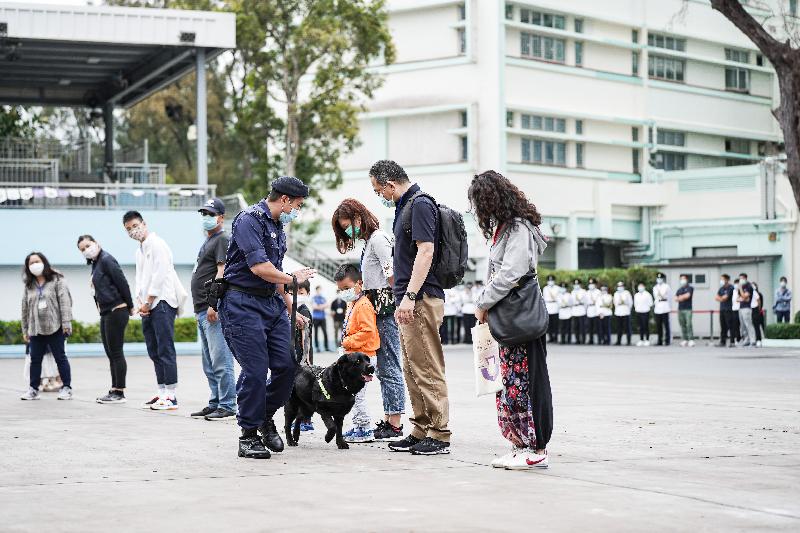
(257, 332)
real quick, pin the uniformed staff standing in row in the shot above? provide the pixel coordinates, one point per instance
(254, 313)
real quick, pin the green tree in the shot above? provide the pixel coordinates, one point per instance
(18, 122)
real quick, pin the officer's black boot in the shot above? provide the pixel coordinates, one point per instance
(270, 436)
(251, 447)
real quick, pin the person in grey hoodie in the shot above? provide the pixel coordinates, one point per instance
(525, 405)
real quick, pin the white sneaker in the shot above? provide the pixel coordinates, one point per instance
(65, 393)
(758, 344)
(691, 343)
(527, 460)
(149, 403)
(640, 343)
(683, 343)
(165, 404)
(32, 394)
(646, 343)
(500, 462)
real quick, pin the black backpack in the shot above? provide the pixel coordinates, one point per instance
(450, 262)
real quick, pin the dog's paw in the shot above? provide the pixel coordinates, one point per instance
(329, 435)
(343, 446)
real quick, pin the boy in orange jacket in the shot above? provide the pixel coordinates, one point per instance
(359, 334)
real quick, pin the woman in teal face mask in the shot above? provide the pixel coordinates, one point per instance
(352, 222)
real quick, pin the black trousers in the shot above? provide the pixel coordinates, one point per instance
(592, 329)
(662, 327)
(604, 333)
(443, 332)
(112, 333)
(758, 323)
(453, 333)
(552, 327)
(469, 323)
(540, 394)
(38, 347)
(320, 324)
(735, 332)
(782, 316)
(623, 323)
(566, 332)
(644, 325)
(579, 327)
(459, 326)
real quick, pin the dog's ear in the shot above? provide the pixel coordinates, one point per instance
(342, 360)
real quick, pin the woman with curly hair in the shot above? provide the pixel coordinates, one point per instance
(351, 222)
(525, 405)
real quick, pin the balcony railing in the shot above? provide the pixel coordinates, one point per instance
(104, 196)
(154, 174)
(29, 170)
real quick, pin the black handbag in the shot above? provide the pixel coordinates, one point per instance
(521, 317)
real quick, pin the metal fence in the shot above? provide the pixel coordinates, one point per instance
(29, 171)
(106, 196)
(154, 174)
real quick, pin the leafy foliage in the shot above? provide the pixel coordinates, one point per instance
(185, 331)
(608, 276)
(783, 331)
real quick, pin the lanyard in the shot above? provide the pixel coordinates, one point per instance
(40, 289)
(347, 318)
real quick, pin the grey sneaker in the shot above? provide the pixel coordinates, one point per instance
(32, 394)
(65, 394)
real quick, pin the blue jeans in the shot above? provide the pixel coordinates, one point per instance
(217, 363)
(159, 336)
(390, 370)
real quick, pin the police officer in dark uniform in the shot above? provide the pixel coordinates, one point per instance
(253, 310)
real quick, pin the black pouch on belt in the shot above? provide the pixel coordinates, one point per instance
(215, 290)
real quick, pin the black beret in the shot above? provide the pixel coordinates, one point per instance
(290, 186)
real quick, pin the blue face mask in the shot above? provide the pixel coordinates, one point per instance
(287, 218)
(209, 222)
(387, 203)
(348, 295)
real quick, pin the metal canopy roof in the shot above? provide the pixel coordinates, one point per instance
(90, 56)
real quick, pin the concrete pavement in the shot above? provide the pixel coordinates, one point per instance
(645, 439)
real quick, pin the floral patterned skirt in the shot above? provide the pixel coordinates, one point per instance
(514, 412)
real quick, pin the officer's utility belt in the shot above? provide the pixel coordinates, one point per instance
(253, 291)
(216, 289)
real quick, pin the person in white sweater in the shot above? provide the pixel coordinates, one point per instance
(622, 312)
(642, 303)
(565, 303)
(551, 292)
(604, 303)
(662, 296)
(592, 321)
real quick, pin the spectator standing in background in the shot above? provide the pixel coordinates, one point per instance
(604, 312)
(725, 298)
(338, 310)
(757, 306)
(622, 312)
(551, 293)
(745, 311)
(318, 315)
(468, 311)
(580, 302)
(452, 306)
(642, 304)
(661, 310)
(684, 296)
(592, 322)
(112, 296)
(736, 324)
(565, 303)
(783, 302)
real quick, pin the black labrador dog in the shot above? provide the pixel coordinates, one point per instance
(328, 391)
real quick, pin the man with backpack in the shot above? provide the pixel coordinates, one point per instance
(430, 255)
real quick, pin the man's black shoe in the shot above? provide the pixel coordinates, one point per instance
(220, 414)
(251, 447)
(430, 446)
(270, 437)
(203, 412)
(386, 431)
(405, 444)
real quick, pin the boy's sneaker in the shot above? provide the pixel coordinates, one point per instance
(113, 396)
(690, 344)
(430, 446)
(503, 460)
(405, 444)
(32, 394)
(204, 412)
(306, 426)
(359, 434)
(165, 404)
(386, 431)
(148, 404)
(528, 460)
(65, 393)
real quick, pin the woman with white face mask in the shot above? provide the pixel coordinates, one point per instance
(112, 296)
(46, 321)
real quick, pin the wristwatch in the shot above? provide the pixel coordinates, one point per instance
(412, 296)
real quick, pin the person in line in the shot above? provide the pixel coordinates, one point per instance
(565, 305)
(622, 312)
(114, 302)
(157, 300)
(525, 404)
(338, 310)
(642, 304)
(216, 357)
(352, 222)
(662, 295)
(303, 347)
(448, 329)
(745, 312)
(419, 298)
(46, 320)
(736, 324)
(725, 298)
(757, 307)
(579, 304)
(592, 321)
(468, 311)
(551, 293)
(255, 314)
(604, 312)
(320, 324)
(684, 296)
(360, 334)
(456, 322)
(783, 301)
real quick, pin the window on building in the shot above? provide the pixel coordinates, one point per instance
(579, 155)
(462, 11)
(544, 152)
(737, 146)
(540, 47)
(538, 122)
(666, 68)
(510, 119)
(540, 18)
(793, 8)
(464, 147)
(578, 54)
(669, 161)
(635, 63)
(759, 60)
(635, 36)
(714, 251)
(636, 156)
(737, 78)
(635, 133)
(462, 41)
(579, 127)
(509, 12)
(578, 25)
(669, 43)
(671, 138)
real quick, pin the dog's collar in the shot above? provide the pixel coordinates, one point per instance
(323, 389)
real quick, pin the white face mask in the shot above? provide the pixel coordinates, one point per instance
(722, 283)
(91, 251)
(641, 289)
(303, 299)
(783, 284)
(36, 268)
(348, 295)
(551, 283)
(659, 281)
(591, 286)
(684, 282)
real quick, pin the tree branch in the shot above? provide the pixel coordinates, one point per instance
(735, 12)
